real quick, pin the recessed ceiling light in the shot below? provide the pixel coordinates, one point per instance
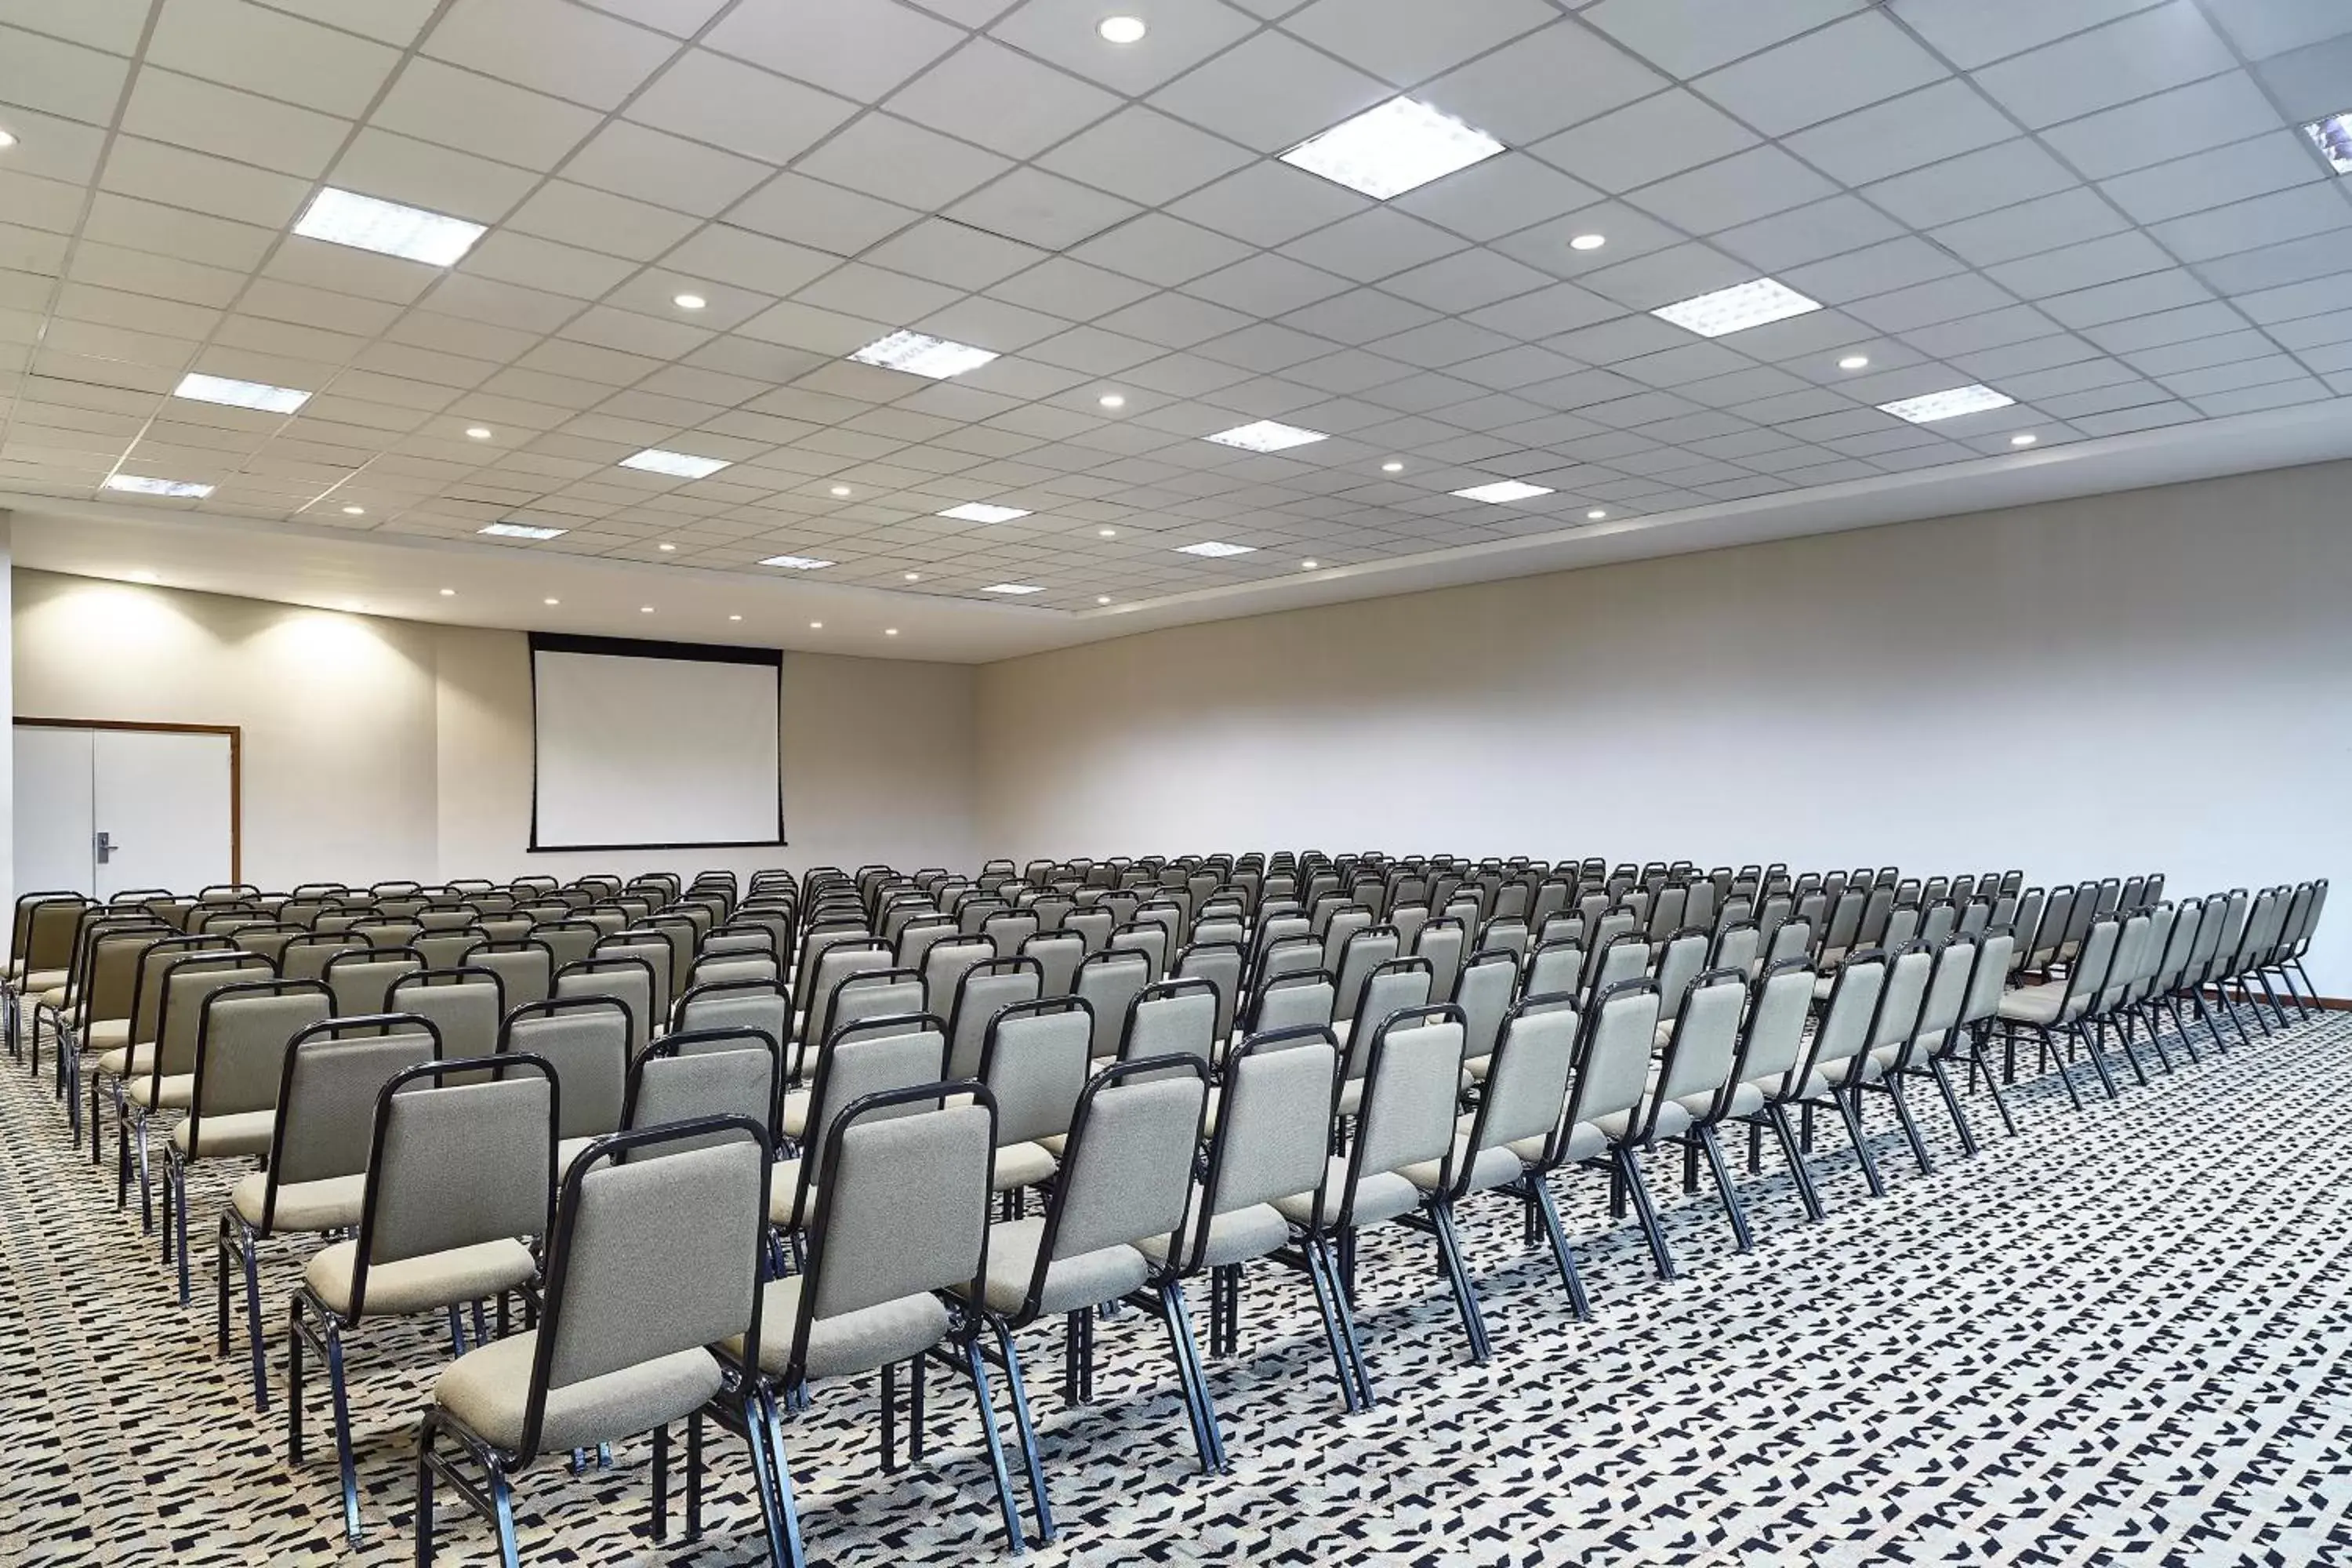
(240, 394)
(354, 512)
(2027, 439)
(1107, 532)
(922, 355)
(1122, 30)
(678, 465)
(666, 549)
(1102, 598)
(914, 576)
(2332, 136)
(1390, 150)
(840, 490)
(816, 626)
(1502, 491)
(1013, 588)
(477, 432)
(1737, 309)
(797, 563)
(1309, 565)
(1855, 362)
(688, 301)
(1112, 400)
(523, 530)
(8, 140)
(1265, 436)
(1597, 514)
(551, 601)
(183, 489)
(1588, 242)
(346, 218)
(644, 609)
(734, 618)
(1393, 467)
(1215, 547)
(981, 512)
(1949, 403)
(448, 593)
(889, 631)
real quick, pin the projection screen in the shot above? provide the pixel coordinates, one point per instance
(654, 745)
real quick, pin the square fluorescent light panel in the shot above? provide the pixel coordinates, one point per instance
(981, 512)
(1390, 150)
(182, 489)
(523, 530)
(1947, 405)
(1013, 588)
(345, 218)
(240, 394)
(2333, 137)
(1265, 436)
(1503, 491)
(1737, 309)
(797, 563)
(920, 355)
(1215, 547)
(678, 465)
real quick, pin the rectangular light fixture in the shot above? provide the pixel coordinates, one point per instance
(1214, 547)
(1949, 403)
(1501, 490)
(1265, 436)
(523, 530)
(981, 512)
(1013, 588)
(2333, 137)
(346, 218)
(1389, 150)
(240, 394)
(796, 563)
(922, 355)
(1737, 308)
(676, 465)
(183, 489)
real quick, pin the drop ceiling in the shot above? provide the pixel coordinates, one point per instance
(2106, 211)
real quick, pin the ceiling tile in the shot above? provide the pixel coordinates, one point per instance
(1466, 280)
(596, 220)
(566, 51)
(655, 167)
(1644, 142)
(1688, 37)
(1267, 285)
(1972, 33)
(1740, 188)
(437, 102)
(1408, 41)
(2213, 112)
(713, 98)
(402, 168)
(2264, 27)
(986, 93)
(1270, 92)
(1903, 133)
(1843, 67)
(58, 78)
(1042, 209)
(271, 53)
(1145, 156)
(1543, 83)
(755, 261)
(2073, 267)
(2265, 224)
(2141, 54)
(1160, 249)
(919, 167)
(168, 106)
(1269, 203)
(1996, 176)
(1373, 245)
(954, 254)
(859, 49)
(176, 177)
(1875, 270)
(2269, 162)
(1183, 34)
(2066, 218)
(1495, 196)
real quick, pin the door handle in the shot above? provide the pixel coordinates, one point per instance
(106, 847)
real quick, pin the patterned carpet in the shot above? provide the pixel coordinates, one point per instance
(2116, 1338)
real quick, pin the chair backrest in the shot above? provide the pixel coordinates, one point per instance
(1679, 963)
(625, 978)
(649, 1258)
(526, 970)
(1058, 955)
(945, 963)
(1035, 1058)
(1277, 1092)
(1705, 1046)
(1556, 968)
(465, 1005)
(569, 940)
(1172, 1017)
(1527, 1078)
(1625, 956)
(693, 1075)
(1844, 1033)
(985, 989)
(1772, 1044)
(588, 1041)
(871, 1055)
(1413, 1084)
(110, 977)
(1445, 943)
(242, 1036)
(155, 967)
(1108, 982)
(334, 1072)
(746, 1004)
(1303, 1000)
(454, 1164)
(1221, 964)
(2093, 962)
(901, 1209)
(1484, 991)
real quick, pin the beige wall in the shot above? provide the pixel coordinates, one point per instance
(377, 748)
(2161, 678)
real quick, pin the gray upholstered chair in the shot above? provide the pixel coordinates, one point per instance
(362, 978)
(1108, 982)
(169, 1083)
(2060, 1005)
(985, 990)
(1772, 1046)
(587, 1040)
(865, 1056)
(467, 1005)
(1849, 1031)
(1613, 1072)
(460, 1176)
(1035, 1058)
(652, 1261)
(624, 977)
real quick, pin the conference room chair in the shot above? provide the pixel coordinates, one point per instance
(653, 1258)
(1058, 955)
(2058, 1006)
(467, 1005)
(746, 1004)
(1683, 1100)
(1848, 1028)
(653, 950)
(1035, 1058)
(691, 1075)
(1108, 982)
(980, 993)
(315, 1178)
(1302, 999)
(626, 979)
(1172, 1017)
(460, 1177)
(180, 981)
(1935, 1020)
(360, 977)
(588, 1041)
(1127, 1177)
(1221, 964)
(98, 1017)
(944, 965)
(863, 1056)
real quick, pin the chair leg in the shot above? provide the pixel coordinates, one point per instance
(1211, 1441)
(1046, 1532)
(502, 1510)
(252, 1262)
(1457, 1277)
(1639, 1191)
(694, 1477)
(2089, 1042)
(1910, 1126)
(2050, 1052)
(1852, 1114)
(1569, 1277)
(1343, 1303)
(423, 1526)
(1943, 1077)
(2124, 1036)
(1799, 1171)
(976, 1367)
(763, 1435)
(1324, 1291)
(175, 1216)
(1707, 1144)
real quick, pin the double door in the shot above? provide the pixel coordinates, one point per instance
(100, 809)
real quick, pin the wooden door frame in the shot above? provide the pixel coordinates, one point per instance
(235, 734)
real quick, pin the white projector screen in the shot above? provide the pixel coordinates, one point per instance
(653, 745)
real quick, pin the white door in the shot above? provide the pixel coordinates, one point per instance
(100, 811)
(161, 813)
(54, 831)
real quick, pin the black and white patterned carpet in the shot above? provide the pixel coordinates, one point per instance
(2116, 1338)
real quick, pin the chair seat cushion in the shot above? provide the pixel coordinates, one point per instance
(107, 1034)
(1022, 1165)
(1493, 1168)
(147, 1092)
(1748, 1099)
(332, 1203)
(1234, 1236)
(421, 1284)
(1103, 1275)
(1380, 1196)
(40, 980)
(224, 1137)
(848, 1343)
(488, 1388)
(127, 1061)
(2034, 1003)
(795, 1119)
(784, 1191)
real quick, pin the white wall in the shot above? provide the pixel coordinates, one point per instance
(2157, 679)
(378, 748)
